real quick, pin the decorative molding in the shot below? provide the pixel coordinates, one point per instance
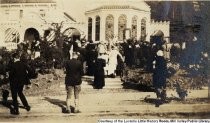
(115, 7)
(160, 22)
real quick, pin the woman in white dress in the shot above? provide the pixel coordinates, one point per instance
(112, 63)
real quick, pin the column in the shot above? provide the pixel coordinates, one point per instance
(116, 17)
(2, 35)
(148, 26)
(86, 26)
(102, 27)
(22, 33)
(128, 25)
(129, 21)
(138, 28)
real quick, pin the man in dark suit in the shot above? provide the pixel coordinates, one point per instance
(18, 78)
(74, 72)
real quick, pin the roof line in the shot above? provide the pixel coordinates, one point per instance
(70, 17)
(116, 7)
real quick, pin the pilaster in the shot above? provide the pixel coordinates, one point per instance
(102, 27)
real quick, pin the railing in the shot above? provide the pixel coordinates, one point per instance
(11, 45)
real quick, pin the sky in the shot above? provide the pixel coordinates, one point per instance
(75, 8)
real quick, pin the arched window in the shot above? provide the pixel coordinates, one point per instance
(97, 34)
(143, 30)
(12, 36)
(134, 27)
(121, 26)
(89, 29)
(109, 32)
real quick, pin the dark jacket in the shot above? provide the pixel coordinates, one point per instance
(19, 73)
(160, 72)
(74, 72)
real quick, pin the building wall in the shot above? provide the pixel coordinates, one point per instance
(164, 26)
(130, 13)
(21, 16)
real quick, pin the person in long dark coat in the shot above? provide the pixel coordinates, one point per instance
(18, 77)
(129, 53)
(91, 55)
(137, 53)
(160, 75)
(99, 75)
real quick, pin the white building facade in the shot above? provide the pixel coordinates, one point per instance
(105, 20)
(23, 20)
(112, 19)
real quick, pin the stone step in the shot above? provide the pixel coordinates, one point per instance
(90, 86)
(109, 83)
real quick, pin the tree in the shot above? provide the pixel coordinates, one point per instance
(58, 34)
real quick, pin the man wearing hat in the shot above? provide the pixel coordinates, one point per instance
(18, 76)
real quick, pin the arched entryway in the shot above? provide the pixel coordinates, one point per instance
(31, 34)
(134, 27)
(109, 32)
(157, 37)
(122, 24)
(143, 29)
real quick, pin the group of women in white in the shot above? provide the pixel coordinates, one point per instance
(110, 56)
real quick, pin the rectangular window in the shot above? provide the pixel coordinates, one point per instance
(21, 14)
(42, 13)
(7, 14)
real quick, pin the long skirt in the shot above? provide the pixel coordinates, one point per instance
(99, 80)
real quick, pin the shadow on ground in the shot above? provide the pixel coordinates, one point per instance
(8, 104)
(176, 100)
(59, 103)
(137, 86)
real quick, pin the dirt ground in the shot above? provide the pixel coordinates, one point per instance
(96, 118)
(47, 98)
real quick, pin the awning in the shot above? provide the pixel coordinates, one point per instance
(76, 32)
(71, 32)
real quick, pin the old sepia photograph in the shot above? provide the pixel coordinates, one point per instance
(105, 61)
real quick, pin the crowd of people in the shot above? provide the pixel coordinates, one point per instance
(78, 57)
